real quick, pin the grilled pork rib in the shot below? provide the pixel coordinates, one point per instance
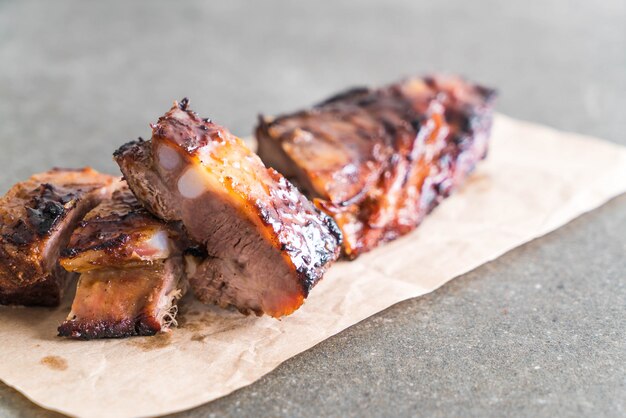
(132, 271)
(37, 217)
(379, 160)
(267, 244)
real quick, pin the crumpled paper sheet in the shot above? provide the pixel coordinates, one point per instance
(534, 180)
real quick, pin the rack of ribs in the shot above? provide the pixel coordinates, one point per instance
(379, 160)
(132, 271)
(267, 245)
(37, 217)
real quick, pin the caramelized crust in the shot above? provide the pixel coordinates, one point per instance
(267, 244)
(120, 232)
(379, 160)
(37, 217)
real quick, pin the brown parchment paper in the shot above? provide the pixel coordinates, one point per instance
(534, 180)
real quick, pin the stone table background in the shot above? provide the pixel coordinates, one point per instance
(538, 332)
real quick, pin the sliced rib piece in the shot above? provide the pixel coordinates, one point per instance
(267, 244)
(37, 217)
(114, 302)
(132, 271)
(120, 232)
(379, 160)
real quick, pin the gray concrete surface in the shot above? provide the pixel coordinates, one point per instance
(538, 332)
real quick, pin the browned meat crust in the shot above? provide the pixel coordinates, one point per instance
(117, 303)
(267, 245)
(37, 217)
(379, 160)
(45, 292)
(120, 232)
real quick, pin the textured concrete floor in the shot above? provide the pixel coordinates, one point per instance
(538, 332)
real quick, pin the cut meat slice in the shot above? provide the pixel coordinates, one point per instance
(379, 160)
(37, 217)
(120, 232)
(114, 303)
(267, 244)
(132, 271)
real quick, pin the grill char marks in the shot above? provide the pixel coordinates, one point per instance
(120, 232)
(267, 244)
(379, 160)
(46, 208)
(36, 219)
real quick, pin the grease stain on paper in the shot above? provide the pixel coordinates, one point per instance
(54, 363)
(211, 324)
(158, 341)
(193, 326)
(199, 337)
(204, 330)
